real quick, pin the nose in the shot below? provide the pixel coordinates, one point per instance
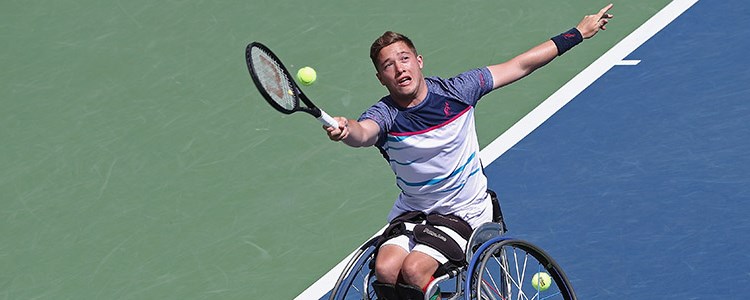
(400, 67)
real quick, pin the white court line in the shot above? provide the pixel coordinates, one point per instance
(535, 118)
(628, 62)
(575, 86)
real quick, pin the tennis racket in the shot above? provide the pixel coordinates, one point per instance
(277, 86)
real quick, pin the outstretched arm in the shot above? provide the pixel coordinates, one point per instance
(354, 133)
(538, 56)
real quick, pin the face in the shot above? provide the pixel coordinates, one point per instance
(400, 71)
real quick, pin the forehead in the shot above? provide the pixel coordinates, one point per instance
(393, 50)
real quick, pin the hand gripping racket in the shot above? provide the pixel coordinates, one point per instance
(277, 86)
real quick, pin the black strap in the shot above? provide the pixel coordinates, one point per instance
(385, 291)
(497, 212)
(409, 292)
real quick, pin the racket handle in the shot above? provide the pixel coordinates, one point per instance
(327, 120)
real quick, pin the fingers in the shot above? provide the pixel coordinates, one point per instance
(335, 134)
(338, 133)
(603, 17)
(603, 12)
(591, 24)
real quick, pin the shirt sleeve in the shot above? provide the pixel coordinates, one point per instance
(469, 86)
(383, 115)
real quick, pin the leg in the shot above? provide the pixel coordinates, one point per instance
(417, 269)
(388, 263)
(387, 267)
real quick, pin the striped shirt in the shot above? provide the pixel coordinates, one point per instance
(433, 150)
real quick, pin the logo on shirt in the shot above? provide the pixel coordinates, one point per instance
(447, 109)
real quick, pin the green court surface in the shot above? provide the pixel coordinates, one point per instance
(139, 162)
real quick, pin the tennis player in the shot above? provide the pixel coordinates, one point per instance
(424, 127)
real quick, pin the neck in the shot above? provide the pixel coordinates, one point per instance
(412, 100)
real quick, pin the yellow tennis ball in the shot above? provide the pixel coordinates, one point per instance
(306, 75)
(541, 281)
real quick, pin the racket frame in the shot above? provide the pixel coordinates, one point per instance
(297, 93)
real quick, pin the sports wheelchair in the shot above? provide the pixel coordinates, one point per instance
(499, 267)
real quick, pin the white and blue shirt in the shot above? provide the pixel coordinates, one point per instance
(433, 148)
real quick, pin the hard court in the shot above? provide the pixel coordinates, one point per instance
(139, 162)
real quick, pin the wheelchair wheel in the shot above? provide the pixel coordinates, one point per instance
(356, 278)
(502, 268)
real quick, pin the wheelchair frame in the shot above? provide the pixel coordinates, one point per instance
(487, 244)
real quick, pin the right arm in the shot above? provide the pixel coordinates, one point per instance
(354, 133)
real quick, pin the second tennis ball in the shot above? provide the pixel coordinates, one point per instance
(541, 281)
(306, 75)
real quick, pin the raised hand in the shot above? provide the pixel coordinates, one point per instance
(591, 24)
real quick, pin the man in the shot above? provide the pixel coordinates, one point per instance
(425, 129)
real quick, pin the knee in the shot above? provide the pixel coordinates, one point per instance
(387, 269)
(417, 271)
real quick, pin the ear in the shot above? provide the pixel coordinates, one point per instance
(419, 60)
(377, 74)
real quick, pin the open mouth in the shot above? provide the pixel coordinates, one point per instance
(404, 81)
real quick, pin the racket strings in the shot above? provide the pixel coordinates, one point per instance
(273, 79)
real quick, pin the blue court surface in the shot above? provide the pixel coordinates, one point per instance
(639, 186)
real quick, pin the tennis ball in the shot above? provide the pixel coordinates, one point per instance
(541, 281)
(306, 75)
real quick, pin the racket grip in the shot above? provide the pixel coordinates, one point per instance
(327, 120)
